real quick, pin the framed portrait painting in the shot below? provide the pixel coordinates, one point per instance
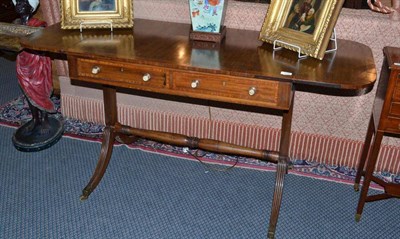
(301, 25)
(77, 14)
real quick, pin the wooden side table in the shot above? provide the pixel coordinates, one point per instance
(385, 121)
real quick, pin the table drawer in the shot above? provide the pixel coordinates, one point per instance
(121, 74)
(392, 124)
(396, 91)
(395, 109)
(258, 92)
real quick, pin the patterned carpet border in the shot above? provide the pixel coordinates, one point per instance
(16, 112)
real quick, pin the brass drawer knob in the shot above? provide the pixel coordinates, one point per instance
(195, 84)
(146, 77)
(95, 70)
(252, 91)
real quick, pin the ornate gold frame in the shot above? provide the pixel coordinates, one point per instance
(74, 18)
(274, 27)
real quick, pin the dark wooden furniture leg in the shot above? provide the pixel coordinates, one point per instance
(364, 155)
(111, 118)
(371, 161)
(282, 169)
(385, 121)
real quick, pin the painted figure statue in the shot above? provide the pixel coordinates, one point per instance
(35, 79)
(25, 9)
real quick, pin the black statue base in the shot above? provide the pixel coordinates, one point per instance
(32, 137)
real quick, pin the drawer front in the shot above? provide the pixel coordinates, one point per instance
(121, 74)
(395, 109)
(258, 92)
(392, 125)
(396, 91)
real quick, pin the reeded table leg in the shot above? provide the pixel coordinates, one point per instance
(282, 169)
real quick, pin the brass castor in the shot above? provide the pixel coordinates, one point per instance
(271, 235)
(356, 187)
(83, 198)
(358, 217)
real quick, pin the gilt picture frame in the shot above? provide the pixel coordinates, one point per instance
(301, 25)
(78, 14)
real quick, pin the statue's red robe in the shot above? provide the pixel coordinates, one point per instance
(35, 76)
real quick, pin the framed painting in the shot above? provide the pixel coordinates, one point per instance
(301, 25)
(78, 14)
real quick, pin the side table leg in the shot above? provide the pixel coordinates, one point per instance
(281, 171)
(111, 119)
(368, 173)
(364, 155)
(104, 159)
(282, 168)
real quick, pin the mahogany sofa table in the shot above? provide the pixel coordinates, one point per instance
(157, 58)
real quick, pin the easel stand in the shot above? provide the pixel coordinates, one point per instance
(300, 54)
(100, 23)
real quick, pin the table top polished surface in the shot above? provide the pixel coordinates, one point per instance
(350, 70)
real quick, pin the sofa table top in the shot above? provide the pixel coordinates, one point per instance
(348, 71)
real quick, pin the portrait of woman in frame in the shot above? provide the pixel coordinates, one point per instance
(96, 14)
(96, 5)
(304, 25)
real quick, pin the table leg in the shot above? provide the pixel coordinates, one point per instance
(371, 161)
(364, 155)
(281, 170)
(110, 111)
